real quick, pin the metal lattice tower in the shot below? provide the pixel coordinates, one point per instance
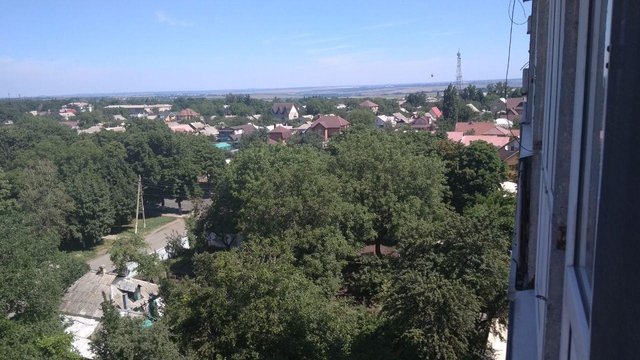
(459, 73)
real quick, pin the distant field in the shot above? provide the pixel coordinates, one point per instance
(388, 91)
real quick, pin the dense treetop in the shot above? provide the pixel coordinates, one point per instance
(300, 285)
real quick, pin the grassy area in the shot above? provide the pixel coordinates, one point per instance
(152, 224)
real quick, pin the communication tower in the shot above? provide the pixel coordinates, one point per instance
(459, 73)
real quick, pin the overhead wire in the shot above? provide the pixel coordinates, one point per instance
(512, 5)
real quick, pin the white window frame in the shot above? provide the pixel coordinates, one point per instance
(575, 331)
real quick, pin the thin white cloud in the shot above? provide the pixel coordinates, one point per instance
(164, 18)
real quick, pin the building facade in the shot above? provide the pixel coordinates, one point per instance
(573, 293)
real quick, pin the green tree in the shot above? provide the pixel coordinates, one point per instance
(475, 170)
(362, 117)
(370, 164)
(126, 338)
(132, 248)
(42, 195)
(253, 304)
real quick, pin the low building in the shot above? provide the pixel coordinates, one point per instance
(280, 134)
(424, 123)
(384, 121)
(484, 128)
(181, 128)
(497, 141)
(401, 119)
(329, 126)
(435, 112)
(187, 114)
(368, 104)
(285, 111)
(131, 296)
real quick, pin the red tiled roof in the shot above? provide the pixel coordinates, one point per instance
(281, 130)
(436, 111)
(514, 103)
(481, 128)
(330, 122)
(497, 141)
(455, 135)
(368, 104)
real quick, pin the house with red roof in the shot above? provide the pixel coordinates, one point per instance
(483, 128)
(187, 114)
(328, 126)
(466, 140)
(425, 123)
(435, 112)
(280, 134)
(368, 104)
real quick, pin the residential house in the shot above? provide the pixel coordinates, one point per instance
(187, 114)
(424, 123)
(197, 126)
(209, 130)
(384, 121)
(499, 105)
(67, 113)
(435, 113)
(137, 113)
(302, 128)
(154, 107)
(401, 119)
(483, 128)
(502, 105)
(81, 305)
(280, 134)
(91, 130)
(497, 141)
(368, 104)
(181, 128)
(167, 116)
(329, 125)
(285, 111)
(234, 133)
(509, 154)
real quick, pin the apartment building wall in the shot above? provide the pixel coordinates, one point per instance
(566, 271)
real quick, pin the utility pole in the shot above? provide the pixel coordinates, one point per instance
(144, 219)
(135, 231)
(459, 73)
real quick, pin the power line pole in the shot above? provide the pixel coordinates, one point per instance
(459, 73)
(144, 219)
(135, 231)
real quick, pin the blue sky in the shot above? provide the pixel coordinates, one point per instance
(69, 47)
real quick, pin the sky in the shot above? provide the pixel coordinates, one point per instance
(84, 47)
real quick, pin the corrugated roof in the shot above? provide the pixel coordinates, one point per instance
(85, 296)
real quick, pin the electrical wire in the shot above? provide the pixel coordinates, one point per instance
(512, 5)
(524, 12)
